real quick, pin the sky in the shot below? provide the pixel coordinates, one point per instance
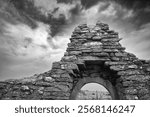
(35, 33)
(94, 87)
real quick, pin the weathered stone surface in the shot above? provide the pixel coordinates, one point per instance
(121, 54)
(133, 66)
(56, 65)
(148, 69)
(136, 77)
(117, 67)
(131, 97)
(110, 40)
(115, 63)
(143, 91)
(2, 85)
(50, 89)
(131, 91)
(41, 90)
(49, 79)
(64, 79)
(75, 53)
(127, 83)
(96, 50)
(46, 84)
(102, 54)
(69, 66)
(87, 50)
(92, 58)
(25, 88)
(130, 72)
(122, 67)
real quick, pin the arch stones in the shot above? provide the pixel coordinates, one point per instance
(94, 52)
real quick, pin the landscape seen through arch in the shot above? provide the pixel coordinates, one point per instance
(93, 91)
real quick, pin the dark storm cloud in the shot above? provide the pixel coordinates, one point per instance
(141, 8)
(65, 1)
(85, 3)
(89, 3)
(76, 10)
(141, 11)
(28, 8)
(142, 16)
(134, 4)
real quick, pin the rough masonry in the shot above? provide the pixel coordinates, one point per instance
(94, 55)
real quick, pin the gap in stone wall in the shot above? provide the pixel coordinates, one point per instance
(93, 91)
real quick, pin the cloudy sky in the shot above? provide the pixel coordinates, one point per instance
(35, 33)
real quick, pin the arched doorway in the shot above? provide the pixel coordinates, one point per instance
(105, 83)
(93, 91)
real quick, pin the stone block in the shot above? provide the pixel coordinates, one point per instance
(74, 52)
(115, 63)
(117, 67)
(2, 85)
(25, 88)
(143, 91)
(56, 65)
(121, 54)
(105, 39)
(69, 58)
(97, 38)
(64, 79)
(41, 90)
(55, 75)
(123, 67)
(136, 77)
(97, 28)
(87, 50)
(57, 71)
(130, 91)
(115, 58)
(50, 89)
(95, 50)
(15, 94)
(145, 97)
(90, 44)
(148, 69)
(130, 72)
(125, 58)
(82, 26)
(110, 43)
(92, 58)
(127, 83)
(44, 84)
(110, 50)
(63, 88)
(69, 65)
(131, 97)
(49, 79)
(102, 54)
(65, 75)
(132, 66)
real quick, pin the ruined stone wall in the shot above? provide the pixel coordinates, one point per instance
(93, 52)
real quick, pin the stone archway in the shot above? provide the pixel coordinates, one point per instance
(107, 84)
(94, 55)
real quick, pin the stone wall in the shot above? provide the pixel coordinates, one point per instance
(93, 52)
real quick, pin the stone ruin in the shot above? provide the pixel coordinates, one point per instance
(94, 55)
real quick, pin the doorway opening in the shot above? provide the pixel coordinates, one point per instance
(93, 91)
(94, 83)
